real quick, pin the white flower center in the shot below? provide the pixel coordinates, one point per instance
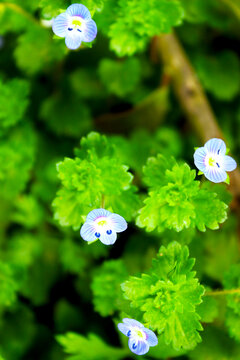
(76, 24)
(138, 334)
(102, 224)
(213, 161)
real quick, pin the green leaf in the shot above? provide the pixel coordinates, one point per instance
(28, 211)
(88, 348)
(52, 8)
(17, 152)
(43, 49)
(215, 345)
(232, 281)
(23, 249)
(223, 84)
(208, 309)
(107, 294)
(168, 295)
(213, 13)
(72, 257)
(137, 21)
(233, 324)
(120, 78)
(221, 251)
(11, 112)
(86, 180)
(8, 285)
(57, 108)
(165, 141)
(176, 200)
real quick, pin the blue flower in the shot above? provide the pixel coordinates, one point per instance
(103, 225)
(75, 25)
(140, 338)
(212, 161)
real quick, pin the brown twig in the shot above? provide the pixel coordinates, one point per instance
(192, 97)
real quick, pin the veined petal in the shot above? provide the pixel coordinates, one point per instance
(90, 31)
(216, 146)
(60, 25)
(118, 222)
(132, 323)
(79, 10)
(87, 232)
(152, 339)
(94, 214)
(124, 328)
(73, 40)
(137, 346)
(229, 163)
(215, 175)
(199, 158)
(108, 239)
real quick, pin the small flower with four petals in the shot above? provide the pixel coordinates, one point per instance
(212, 160)
(140, 338)
(103, 225)
(75, 25)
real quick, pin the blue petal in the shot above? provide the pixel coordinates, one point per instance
(216, 146)
(229, 163)
(199, 158)
(108, 239)
(132, 323)
(79, 10)
(152, 339)
(124, 328)
(73, 40)
(138, 347)
(87, 232)
(119, 222)
(60, 25)
(94, 214)
(216, 175)
(90, 31)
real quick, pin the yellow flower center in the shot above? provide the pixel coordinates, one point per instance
(76, 22)
(102, 222)
(211, 161)
(140, 334)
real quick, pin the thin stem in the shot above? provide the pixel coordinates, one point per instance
(19, 10)
(103, 202)
(192, 97)
(222, 292)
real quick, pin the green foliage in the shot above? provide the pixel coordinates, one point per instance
(12, 108)
(51, 281)
(89, 348)
(28, 212)
(232, 281)
(233, 324)
(57, 108)
(223, 84)
(176, 200)
(115, 75)
(137, 21)
(208, 309)
(8, 285)
(168, 295)
(215, 345)
(94, 173)
(16, 159)
(43, 49)
(107, 294)
(165, 141)
(211, 12)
